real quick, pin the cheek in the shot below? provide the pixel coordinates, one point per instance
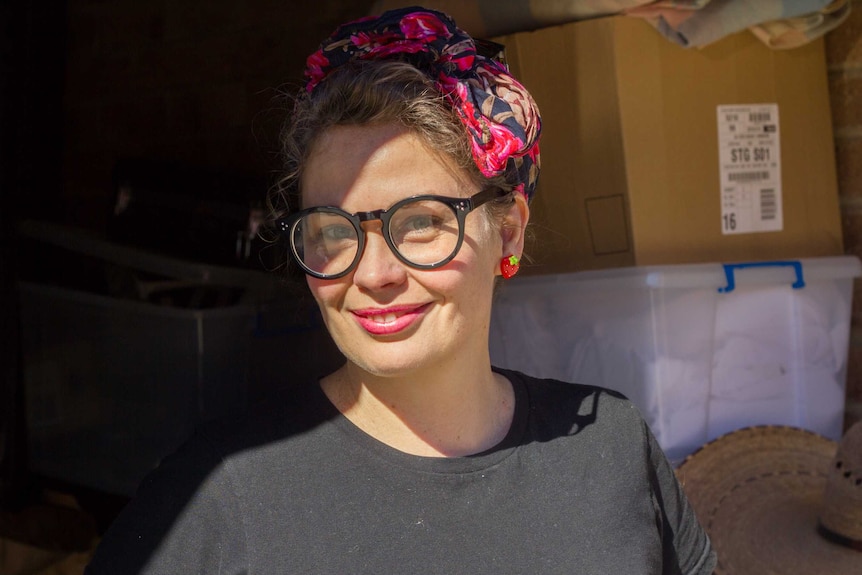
(489, 242)
(474, 268)
(325, 292)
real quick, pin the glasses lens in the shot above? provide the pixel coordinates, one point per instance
(325, 242)
(424, 232)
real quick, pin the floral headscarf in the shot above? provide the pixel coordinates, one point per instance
(500, 115)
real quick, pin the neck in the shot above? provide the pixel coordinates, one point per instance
(438, 415)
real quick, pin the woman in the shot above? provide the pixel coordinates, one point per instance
(412, 159)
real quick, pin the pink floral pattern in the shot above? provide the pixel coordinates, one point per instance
(497, 111)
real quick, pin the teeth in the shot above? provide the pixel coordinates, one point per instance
(388, 318)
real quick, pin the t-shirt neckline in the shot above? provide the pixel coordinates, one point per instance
(442, 465)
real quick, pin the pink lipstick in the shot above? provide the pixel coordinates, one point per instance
(390, 320)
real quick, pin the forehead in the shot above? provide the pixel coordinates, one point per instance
(371, 167)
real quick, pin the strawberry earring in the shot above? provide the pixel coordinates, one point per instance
(509, 266)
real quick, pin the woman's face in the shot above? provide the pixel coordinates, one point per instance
(386, 317)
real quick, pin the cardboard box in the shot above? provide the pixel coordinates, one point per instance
(631, 173)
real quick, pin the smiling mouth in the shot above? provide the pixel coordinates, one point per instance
(385, 322)
(383, 319)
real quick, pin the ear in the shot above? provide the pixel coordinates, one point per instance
(514, 226)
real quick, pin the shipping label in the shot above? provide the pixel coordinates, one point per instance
(749, 150)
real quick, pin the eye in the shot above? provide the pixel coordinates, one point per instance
(417, 227)
(337, 232)
(419, 222)
(422, 221)
(326, 231)
(327, 227)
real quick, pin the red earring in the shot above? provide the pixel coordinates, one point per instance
(509, 266)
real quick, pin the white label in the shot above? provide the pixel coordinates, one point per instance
(749, 152)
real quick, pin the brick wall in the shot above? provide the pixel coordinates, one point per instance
(844, 59)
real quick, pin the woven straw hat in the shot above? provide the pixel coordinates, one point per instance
(778, 500)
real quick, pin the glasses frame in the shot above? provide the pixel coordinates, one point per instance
(459, 206)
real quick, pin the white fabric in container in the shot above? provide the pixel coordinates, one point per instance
(695, 361)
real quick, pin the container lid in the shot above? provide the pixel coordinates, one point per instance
(258, 283)
(709, 275)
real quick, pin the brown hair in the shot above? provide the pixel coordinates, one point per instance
(370, 92)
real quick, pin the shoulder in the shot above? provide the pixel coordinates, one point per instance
(283, 418)
(208, 481)
(559, 408)
(218, 446)
(585, 400)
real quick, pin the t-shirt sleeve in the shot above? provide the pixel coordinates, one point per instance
(686, 546)
(185, 518)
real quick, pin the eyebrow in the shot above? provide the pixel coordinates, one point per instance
(460, 190)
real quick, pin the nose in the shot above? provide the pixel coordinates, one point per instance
(378, 267)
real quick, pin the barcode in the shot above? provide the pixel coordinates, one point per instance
(747, 176)
(759, 117)
(768, 204)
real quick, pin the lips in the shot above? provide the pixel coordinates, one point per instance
(390, 320)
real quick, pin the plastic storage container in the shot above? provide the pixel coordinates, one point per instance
(113, 386)
(700, 349)
(114, 383)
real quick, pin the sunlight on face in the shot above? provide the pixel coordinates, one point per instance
(387, 317)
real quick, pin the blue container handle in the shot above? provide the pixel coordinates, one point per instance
(729, 270)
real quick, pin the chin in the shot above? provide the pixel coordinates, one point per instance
(387, 368)
(391, 363)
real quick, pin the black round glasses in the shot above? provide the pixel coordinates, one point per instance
(424, 232)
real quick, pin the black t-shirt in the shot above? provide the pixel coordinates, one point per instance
(579, 485)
